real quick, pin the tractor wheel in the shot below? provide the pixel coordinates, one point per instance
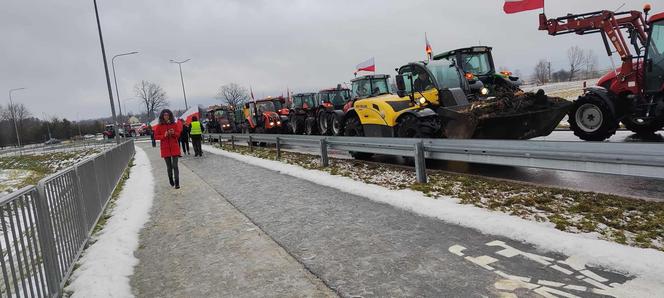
(412, 127)
(311, 127)
(353, 128)
(643, 128)
(591, 119)
(337, 128)
(296, 125)
(324, 124)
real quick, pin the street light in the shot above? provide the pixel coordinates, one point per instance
(108, 78)
(179, 63)
(117, 94)
(13, 112)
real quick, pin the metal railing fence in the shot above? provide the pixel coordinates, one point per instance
(46, 227)
(629, 159)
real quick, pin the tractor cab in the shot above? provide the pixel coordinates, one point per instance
(334, 98)
(654, 61)
(303, 106)
(480, 71)
(225, 117)
(261, 116)
(370, 86)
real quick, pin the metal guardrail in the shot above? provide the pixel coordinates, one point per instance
(46, 227)
(629, 159)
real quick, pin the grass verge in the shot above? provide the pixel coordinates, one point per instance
(619, 219)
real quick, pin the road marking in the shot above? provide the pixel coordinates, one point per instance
(561, 269)
(576, 288)
(593, 275)
(457, 250)
(483, 261)
(548, 293)
(550, 283)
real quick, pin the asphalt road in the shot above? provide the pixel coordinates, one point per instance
(650, 189)
(361, 248)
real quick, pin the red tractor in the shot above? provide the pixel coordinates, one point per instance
(262, 116)
(331, 111)
(302, 111)
(632, 94)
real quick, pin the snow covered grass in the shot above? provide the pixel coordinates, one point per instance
(646, 265)
(108, 262)
(17, 172)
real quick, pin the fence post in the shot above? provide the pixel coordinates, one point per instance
(278, 148)
(420, 163)
(251, 144)
(324, 160)
(47, 241)
(233, 142)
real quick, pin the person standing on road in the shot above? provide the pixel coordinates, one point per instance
(168, 133)
(196, 136)
(184, 137)
(151, 133)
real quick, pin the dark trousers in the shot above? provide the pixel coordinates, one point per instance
(184, 143)
(196, 142)
(154, 142)
(173, 171)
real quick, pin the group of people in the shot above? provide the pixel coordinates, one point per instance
(173, 136)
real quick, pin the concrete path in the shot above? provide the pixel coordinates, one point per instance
(362, 248)
(196, 244)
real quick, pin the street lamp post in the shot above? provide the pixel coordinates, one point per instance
(117, 94)
(13, 113)
(179, 63)
(48, 126)
(108, 78)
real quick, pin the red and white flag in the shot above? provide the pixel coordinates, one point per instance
(369, 65)
(188, 114)
(514, 6)
(428, 48)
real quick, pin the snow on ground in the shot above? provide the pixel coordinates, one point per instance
(566, 90)
(647, 265)
(107, 265)
(12, 179)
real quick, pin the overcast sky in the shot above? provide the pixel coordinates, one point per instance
(52, 47)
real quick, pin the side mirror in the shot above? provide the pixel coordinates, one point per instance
(401, 85)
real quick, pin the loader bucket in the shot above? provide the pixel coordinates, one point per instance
(524, 117)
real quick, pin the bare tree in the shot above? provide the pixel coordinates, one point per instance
(152, 95)
(577, 58)
(233, 94)
(542, 72)
(17, 112)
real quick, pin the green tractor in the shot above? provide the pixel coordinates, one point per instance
(480, 71)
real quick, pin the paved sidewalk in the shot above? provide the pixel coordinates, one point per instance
(196, 244)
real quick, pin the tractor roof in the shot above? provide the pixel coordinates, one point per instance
(271, 98)
(304, 94)
(656, 17)
(374, 76)
(475, 49)
(334, 89)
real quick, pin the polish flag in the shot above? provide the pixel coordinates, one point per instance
(369, 65)
(514, 6)
(188, 114)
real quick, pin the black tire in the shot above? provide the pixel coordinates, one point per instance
(412, 127)
(591, 119)
(646, 128)
(353, 128)
(311, 127)
(296, 125)
(324, 124)
(337, 125)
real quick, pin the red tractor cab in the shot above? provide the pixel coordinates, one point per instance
(632, 94)
(261, 116)
(302, 110)
(331, 110)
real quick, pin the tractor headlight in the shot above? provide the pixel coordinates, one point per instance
(271, 123)
(422, 100)
(484, 91)
(278, 122)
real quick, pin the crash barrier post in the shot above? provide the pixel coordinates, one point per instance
(233, 142)
(324, 160)
(627, 159)
(251, 144)
(45, 228)
(420, 163)
(278, 145)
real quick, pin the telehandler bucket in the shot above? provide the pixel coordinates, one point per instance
(519, 117)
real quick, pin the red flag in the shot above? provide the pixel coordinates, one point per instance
(369, 65)
(428, 48)
(188, 114)
(514, 6)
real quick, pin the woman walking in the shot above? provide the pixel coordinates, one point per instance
(168, 133)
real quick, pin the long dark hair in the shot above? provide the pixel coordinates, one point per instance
(170, 114)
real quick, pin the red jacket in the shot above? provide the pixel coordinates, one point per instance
(170, 146)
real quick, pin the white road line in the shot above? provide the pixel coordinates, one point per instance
(482, 261)
(457, 250)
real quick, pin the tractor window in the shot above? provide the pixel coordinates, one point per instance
(361, 88)
(656, 47)
(220, 114)
(446, 74)
(379, 86)
(339, 97)
(266, 106)
(277, 104)
(476, 63)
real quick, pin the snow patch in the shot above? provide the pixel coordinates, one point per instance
(107, 265)
(646, 265)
